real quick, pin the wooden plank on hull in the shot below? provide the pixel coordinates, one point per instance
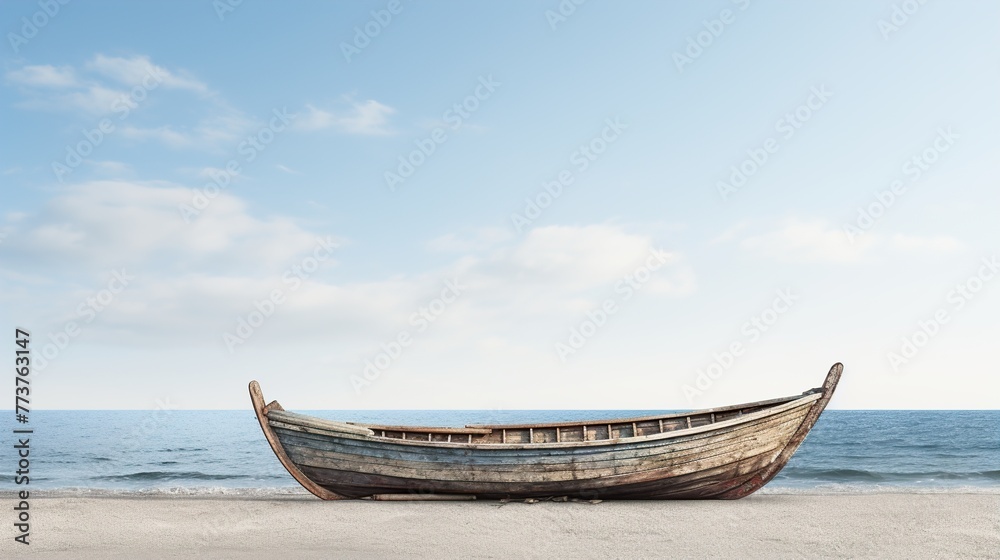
(379, 449)
(723, 452)
(460, 458)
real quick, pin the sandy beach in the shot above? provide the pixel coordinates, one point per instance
(945, 525)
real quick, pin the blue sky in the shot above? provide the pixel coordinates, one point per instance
(154, 256)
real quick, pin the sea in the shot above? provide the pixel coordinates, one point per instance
(224, 453)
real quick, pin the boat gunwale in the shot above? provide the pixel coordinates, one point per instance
(805, 398)
(474, 430)
(626, 420)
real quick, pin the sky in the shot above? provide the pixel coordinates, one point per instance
(516, 205)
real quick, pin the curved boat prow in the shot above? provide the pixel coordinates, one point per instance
(833, 378)
(755, 483)
(257, 397)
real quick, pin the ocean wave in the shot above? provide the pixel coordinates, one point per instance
(155, 476)
(860, 475)
(812, 473)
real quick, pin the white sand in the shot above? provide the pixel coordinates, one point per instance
(772, 526)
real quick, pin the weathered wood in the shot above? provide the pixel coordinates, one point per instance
(526, 459)
(826, 390)
(573, 469)
(759, 404)
(422, 429)
(257, 398)
(723, 454)
(498, 447)
(726, 452)
(651, 485)
(319, 423)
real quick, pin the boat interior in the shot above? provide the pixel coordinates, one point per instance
(575, 431)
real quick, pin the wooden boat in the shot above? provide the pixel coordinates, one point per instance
(723, 453)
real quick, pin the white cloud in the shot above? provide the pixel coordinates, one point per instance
(104, 224)
(580, 256)
(164, 134)
(93, 100)
(215, 132)
(43, 76)
(107, 84)
(315, 119)
(131, 72)
(195, 280)
(817, 241)
(554, 272)
(730, 233)
(110, 167)
(814, 241)
(368, 118)
(597, 256)
(102, 85)
(937, 244)
(477, 240)
(209, 173)
(50, 88)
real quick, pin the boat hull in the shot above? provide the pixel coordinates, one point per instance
(725, 459)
